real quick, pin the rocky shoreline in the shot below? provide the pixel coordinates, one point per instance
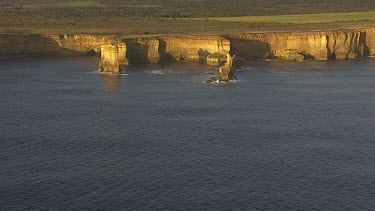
(117, 50)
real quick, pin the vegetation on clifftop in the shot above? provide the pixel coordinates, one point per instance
(302, 19)
(179, 16)
(64, 4)
(199, 8)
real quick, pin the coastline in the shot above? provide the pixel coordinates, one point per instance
(14, 44)
(119, 50)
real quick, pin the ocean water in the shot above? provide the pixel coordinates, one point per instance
(287, 136)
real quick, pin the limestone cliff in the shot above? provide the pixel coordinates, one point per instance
(289, 46)
(24, 44)
(122, 52)
(326, 45)
(20, 45)
(86, 44)
(369, 42)
(142, 50)
(110, 57)
(211, 49)
(343, 44)
(181, 48)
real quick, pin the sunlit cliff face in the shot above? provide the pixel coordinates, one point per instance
(304, 46)
(115, 51)
(370, 42)
(80, 43)
(109, 58)
(196, 49)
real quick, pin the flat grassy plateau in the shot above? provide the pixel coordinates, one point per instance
(145, 17)
(303, 19)
(65, 4)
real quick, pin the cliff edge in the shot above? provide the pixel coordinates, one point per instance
(117, 51)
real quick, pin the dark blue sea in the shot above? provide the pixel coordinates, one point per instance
(287, 136)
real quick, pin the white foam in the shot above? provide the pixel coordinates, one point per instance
(109, 73)
(155, 72)
(244, 69)
(224, 82)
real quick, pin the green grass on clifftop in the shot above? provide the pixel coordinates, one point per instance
(145, 17)
(66, 4)
(302, 19)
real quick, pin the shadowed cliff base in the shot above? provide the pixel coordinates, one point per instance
(164, 56)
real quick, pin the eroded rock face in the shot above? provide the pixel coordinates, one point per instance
(82, 43)
(287, 46)
(211, 50)
(301, 46)
(226, 71)
(345, 45)
(142, 50)
(122, 53)
(20, 45)
(369, 42)
(329, 45)
(16, 44)
(110, 58)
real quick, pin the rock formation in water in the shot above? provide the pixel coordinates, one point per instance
(226, 71)
(110, 58)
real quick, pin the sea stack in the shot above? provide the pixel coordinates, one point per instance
(227, 71)
(109, 59)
